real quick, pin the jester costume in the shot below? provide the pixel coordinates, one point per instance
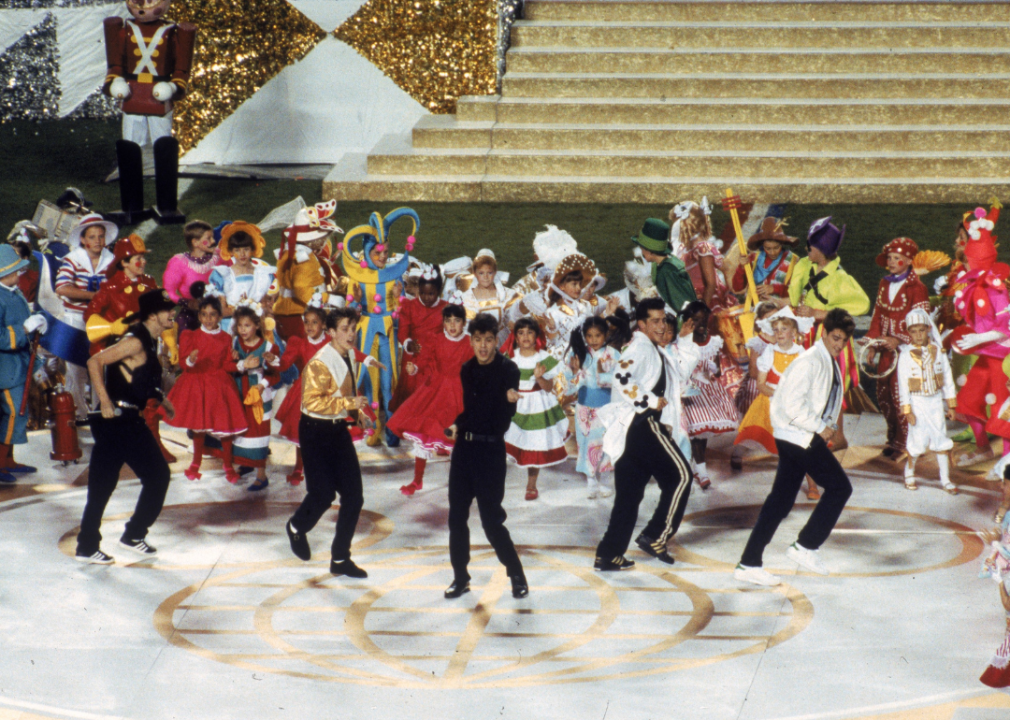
(377, 292)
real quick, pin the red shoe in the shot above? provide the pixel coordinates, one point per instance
(232, 476)
(410, 489)
(295, 478)
(532, 494)
(193, 472)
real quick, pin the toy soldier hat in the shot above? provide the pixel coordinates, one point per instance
(10, 261)
(825, 237)
(771, 229)
(93, 220)
(654, 236)
(904, 246)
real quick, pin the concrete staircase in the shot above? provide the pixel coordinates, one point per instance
(644, 101)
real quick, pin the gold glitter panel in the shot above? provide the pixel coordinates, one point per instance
(436, 50)
(240, 45)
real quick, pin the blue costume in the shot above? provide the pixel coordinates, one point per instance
(15, 357)
(380, 290)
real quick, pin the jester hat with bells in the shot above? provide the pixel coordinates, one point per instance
(359, 266)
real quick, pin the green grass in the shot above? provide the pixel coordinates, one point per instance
(41, 159)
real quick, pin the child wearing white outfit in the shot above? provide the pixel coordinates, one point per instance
(927, 397)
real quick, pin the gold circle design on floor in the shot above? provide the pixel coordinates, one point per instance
(395, 629)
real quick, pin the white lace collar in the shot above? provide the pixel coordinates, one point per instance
(462, 335)
(211, 332)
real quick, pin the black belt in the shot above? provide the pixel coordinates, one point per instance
(472, 437)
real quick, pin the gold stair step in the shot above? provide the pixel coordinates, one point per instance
(760, 34)
(751, 11)
(796, 164)
(769, 60)
(712, 85)
(957, 189)
(617, 111)
(448, 133)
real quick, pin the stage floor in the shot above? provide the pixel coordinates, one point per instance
(226, 623)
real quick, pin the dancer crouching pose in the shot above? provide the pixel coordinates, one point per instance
(642, 424)
(804, 416)
(122, 435)
(477, 468)
(331, 463)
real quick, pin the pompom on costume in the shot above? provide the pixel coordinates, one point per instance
(985, 306)
(303, 272)
(896, 297)
(378, 290)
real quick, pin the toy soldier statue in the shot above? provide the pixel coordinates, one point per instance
(149, 62)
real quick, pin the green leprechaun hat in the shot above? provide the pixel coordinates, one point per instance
(654, 236)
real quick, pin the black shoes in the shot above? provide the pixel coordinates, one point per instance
(654, 548)
(299, 543)
(95, 558)
(459, 588)
(348, 568)
(138, 546)
(618, 563)
(520, 588)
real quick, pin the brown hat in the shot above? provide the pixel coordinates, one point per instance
(771, 229)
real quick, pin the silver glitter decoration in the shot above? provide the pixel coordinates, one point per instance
(29, 89)
(508, 12)
(97, 106)
(30, 4)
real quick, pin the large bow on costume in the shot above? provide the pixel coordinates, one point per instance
(313, 221)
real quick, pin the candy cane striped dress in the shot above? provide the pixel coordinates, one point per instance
(536, 437)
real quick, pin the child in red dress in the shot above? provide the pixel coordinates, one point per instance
(436, 404)
(298, 353)
(204, 396)
(420, 324)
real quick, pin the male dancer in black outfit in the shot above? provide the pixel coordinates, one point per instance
(125, 376)
(477, 469)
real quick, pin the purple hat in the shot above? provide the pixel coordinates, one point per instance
(825, 237)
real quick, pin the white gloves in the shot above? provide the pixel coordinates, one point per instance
(163, 91)
(974, 339)
(36, 322)
(120, 88)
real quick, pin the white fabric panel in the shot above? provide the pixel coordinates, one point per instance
(327, 14)
(15, 23)
(333, 101)
(81, 42)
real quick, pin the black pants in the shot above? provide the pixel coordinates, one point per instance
(477, 471)
(122, 440)
(795, 462)
(331, 467)
(649, 452)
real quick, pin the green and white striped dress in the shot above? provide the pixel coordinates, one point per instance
(536, 437)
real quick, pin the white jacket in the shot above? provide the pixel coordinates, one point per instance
(913, 381)
(803, 391)
(636, 373)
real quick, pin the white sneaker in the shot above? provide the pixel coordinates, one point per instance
(807, 559)
(593, 487)
(755, 575)
(606, 491)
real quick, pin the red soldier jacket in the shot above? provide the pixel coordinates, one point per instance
(145, 54)
(116, 298)
(889, 315)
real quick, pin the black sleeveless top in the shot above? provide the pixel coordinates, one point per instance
(135, 387)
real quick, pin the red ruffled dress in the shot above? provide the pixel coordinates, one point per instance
(423, 325)
(205, 396)
(298, 353)
(436, 404)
